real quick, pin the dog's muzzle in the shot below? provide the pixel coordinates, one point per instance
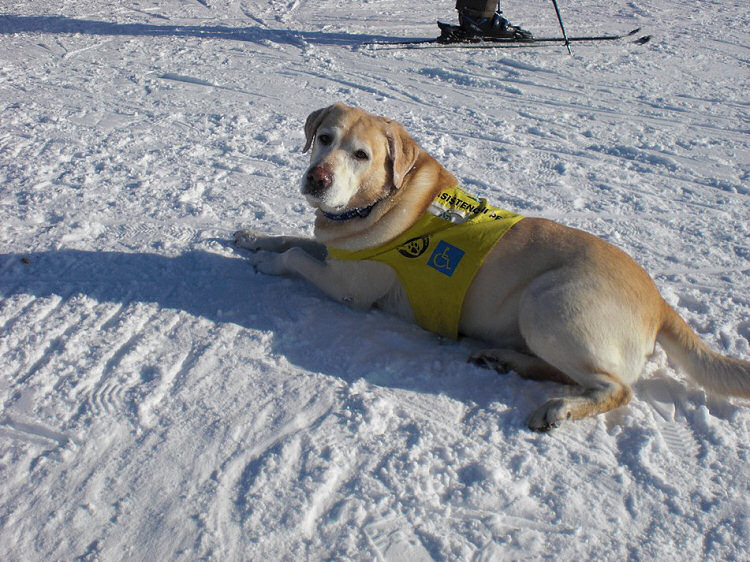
(318, 180)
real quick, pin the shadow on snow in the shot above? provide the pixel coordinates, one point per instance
(309, 330)
(65, 25)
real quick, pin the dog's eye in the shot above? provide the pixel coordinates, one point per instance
(361, 155)
(325, 139)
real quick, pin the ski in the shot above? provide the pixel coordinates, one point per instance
(507, 43)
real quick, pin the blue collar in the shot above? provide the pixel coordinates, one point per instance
(361, 212)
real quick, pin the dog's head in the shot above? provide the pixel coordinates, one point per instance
(357, 161)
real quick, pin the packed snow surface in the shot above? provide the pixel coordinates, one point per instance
(162, 401)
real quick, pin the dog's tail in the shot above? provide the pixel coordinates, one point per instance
(713, 371)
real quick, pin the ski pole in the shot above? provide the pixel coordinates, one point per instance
(562, 27)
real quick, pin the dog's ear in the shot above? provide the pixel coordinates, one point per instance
(313, 122)
(402, 150)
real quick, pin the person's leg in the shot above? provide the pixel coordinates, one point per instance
(481, 19)
(477, 8)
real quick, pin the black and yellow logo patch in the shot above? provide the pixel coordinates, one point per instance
(414, 247)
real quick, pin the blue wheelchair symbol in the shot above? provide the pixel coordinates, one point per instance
(445, 258)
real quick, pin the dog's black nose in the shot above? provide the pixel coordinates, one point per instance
(319, 179)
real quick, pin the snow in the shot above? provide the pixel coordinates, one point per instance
(161, 401)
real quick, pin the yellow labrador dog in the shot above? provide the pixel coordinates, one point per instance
(550, 301)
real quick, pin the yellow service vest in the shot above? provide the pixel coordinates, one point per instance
(437, 258)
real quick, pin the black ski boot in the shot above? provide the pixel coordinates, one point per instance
(473, 30)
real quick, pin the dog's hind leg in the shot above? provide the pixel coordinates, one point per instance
(606, 394)
(601, 394)
(526, 365)
(594, 331)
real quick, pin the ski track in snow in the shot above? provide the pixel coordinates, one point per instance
(161, 401)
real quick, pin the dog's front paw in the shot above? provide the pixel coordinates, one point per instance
(269, 263)
(247, 239)
(550, 415)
